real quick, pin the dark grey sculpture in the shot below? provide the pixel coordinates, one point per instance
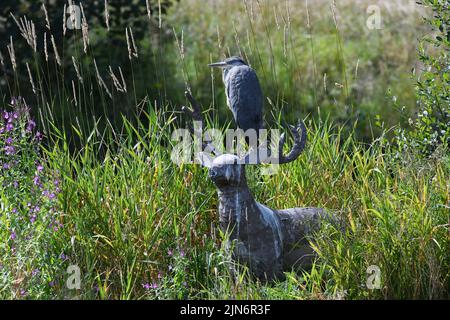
(243, 91)
(268, 241)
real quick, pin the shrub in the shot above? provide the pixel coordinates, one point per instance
(431, 127)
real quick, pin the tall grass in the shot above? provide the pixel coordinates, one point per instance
(139, 226)
(135, 218)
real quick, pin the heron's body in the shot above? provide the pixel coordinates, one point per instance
(244, 94)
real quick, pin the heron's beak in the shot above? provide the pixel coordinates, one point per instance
(218, 65)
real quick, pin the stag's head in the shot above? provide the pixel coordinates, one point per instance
(226, 170)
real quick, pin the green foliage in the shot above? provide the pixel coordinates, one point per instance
(431, 127)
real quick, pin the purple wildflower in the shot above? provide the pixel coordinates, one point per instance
(30, 126)
(33, 218)
(39, 167)
(169, 253)
(36, 181)
(9, 127)
(5, 115)
(63, 257)
(35, 272)
(146, 286)
(9, 140)
(13, 235)
(38, 136)
(10, 150)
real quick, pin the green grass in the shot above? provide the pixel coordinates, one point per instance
(123, 213)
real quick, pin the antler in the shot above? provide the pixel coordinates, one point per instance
(196, 115)
(297, 148)
(294, 153)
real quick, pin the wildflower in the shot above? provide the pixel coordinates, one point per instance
(38, 136)
(9, 140)
(9, 127)
(182, 254)
(30, 126)
(36, 181)
(146, 286)
(10, 150)
(16, 184)
(39, 168)
(33, 218)
(63, 257)
(23, 292)
(154, 286)
(169, 253)
(6, 166)
(5, 115)
(13, 235)
(14, 210)
(35, 272)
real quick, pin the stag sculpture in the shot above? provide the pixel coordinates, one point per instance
(268, 241)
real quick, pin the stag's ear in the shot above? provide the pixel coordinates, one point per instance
(205, 159)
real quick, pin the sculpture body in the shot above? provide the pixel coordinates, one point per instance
(268, 241)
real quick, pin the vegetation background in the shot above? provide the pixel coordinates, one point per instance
(91, 183)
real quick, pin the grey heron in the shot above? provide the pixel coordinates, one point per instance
(243, 92)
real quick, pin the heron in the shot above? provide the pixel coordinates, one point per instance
(243, 92)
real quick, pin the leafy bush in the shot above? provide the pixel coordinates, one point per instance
(431, 127)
